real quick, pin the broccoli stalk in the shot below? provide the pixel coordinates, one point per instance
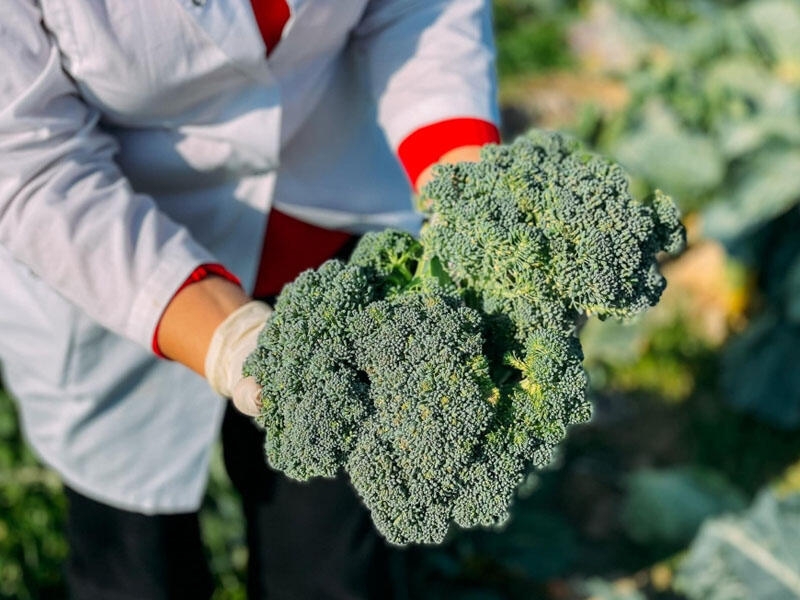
(399, 263)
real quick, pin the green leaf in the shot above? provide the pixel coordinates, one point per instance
(738, 138)
(777, 23)
(732, 79)
(760, 373)
(751, 106)
(615, 343)
(753, 556)
(667, 507)
(682, 163)
(766, 187)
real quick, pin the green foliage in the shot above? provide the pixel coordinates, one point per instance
(663, 152)
(32, 512)
(666, 507)
(531, 35)
(223, 531)
(762, 189)
(538, 543)
(775, 24)
(757, 367)
(714, 117)
(759, 374)
(662, 359)
(438, 371)
(755, 555)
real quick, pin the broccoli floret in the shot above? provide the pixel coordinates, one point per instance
(539, 227)
(438, 371)
(397, 263)
(533, 411)
(391, 256)
(314, 398)
(548, 395)
(431, 399)
(672, 233)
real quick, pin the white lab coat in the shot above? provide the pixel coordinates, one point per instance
(142, 138)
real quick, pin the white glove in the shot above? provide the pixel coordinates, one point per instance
(233, 341)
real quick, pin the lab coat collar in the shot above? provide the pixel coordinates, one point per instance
(231, 25)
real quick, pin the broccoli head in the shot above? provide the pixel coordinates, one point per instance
(437, 371)
(432, 401)
(540, 227)
(313, 397)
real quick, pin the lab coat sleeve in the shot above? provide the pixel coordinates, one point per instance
(66, 211)
(428, 61)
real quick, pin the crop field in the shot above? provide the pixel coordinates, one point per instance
(685, 483)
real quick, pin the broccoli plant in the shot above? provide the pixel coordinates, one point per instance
(437, 371)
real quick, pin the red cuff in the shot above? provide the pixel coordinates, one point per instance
(198, 274)
(427, 145)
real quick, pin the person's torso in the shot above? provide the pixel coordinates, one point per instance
(203, 116)
(188, 81)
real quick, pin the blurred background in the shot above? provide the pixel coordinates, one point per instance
(686, 484)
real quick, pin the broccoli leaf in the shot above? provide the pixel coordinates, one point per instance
(667, 507)
(765, 188)
(758, 375)
(755, 555)
(680, 162)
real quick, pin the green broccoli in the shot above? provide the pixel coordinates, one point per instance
(437, 371)
(314, 398)
(392, 258)
(544, 232)
(430, 390)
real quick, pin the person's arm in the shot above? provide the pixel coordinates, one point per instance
(431, 69)
(225, 324)
(69, 214)
(200, 307)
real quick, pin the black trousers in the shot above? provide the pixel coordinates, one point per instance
(309, 540)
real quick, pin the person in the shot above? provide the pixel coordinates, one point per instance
(162, 164)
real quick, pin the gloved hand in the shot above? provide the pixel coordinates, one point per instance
(233, 340)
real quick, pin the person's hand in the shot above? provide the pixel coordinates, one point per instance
(211, 326)
(233, 341)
